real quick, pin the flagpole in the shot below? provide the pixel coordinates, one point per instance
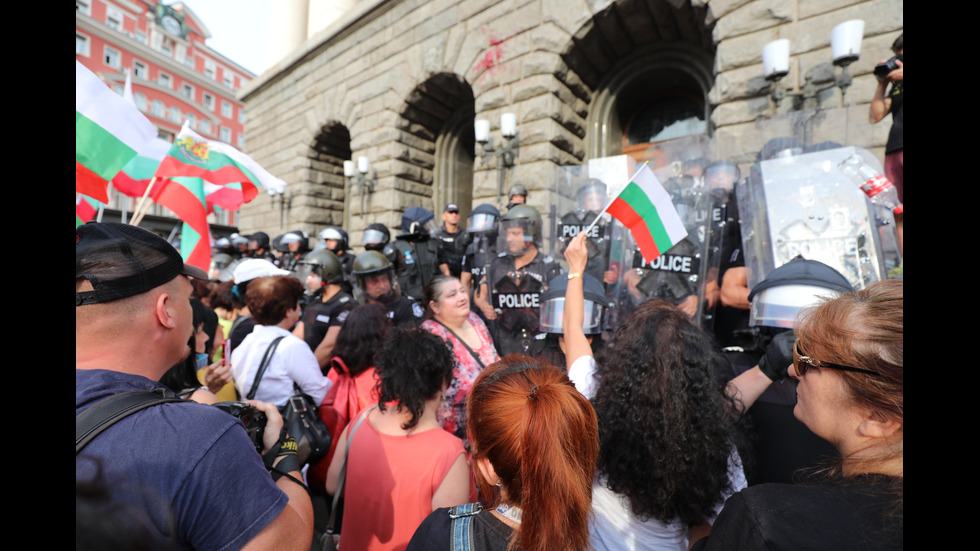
(598, 216)
(140, 211)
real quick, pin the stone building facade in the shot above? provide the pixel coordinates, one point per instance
(401, 82)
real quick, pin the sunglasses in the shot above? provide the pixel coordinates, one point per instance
(802, 362)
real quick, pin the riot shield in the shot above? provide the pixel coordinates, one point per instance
(681, 274)
(803, 205)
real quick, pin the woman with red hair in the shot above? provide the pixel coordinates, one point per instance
(535, 441)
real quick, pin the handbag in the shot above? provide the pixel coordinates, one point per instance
(328, 540)
(338, 407)
(299, 416)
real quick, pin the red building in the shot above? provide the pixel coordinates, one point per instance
(175, 75)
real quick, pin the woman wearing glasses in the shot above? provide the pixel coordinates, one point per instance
(848, 360)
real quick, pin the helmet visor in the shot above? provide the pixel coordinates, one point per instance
(553, 310)
(480, 222)
(372, 237)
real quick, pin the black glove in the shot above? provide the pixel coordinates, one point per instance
(778, 356)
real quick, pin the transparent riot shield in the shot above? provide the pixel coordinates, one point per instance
(680, 275)
(803, 204)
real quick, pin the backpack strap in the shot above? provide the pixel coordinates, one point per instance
(91, 422)
(461, 533)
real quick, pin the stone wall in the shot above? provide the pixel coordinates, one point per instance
(387, 80)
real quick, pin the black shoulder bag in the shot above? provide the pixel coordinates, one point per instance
(299, 416)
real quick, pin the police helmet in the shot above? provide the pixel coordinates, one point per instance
(517, 189)
(800, 283)
(258, 240)
(223, 245)
(722, 174)
(323, 263)
(239, 242)
(527, 218)
(375, 237)
(553, 305)
(221, 267)
(334, 233)
(589, 187)
(370, 263)
(297, 237)
(482, 219)
(418, 220)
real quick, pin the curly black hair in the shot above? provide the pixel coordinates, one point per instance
(666, 426)
(412, 368)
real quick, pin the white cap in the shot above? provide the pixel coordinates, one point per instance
(252, 268)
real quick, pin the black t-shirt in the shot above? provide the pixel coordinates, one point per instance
(895, 134)
(320, 316)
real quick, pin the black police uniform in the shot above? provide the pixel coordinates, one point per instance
(452, 248)
(516, 296)
(405, 312)
(319, 317)
(597, 242)
(416, 264)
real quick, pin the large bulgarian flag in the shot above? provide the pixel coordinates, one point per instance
(217, 163)
(135, 176)
(185, 197)
(646, 209)
(109, 131)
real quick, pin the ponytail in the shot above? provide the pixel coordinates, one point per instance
(541, 436)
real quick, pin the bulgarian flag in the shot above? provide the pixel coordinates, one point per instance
(135, 175)
(86, 209)
(109, 131)
(646, 209)
(185, 197)
(216, 162)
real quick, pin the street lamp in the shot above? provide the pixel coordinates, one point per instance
(506, 154)
(362, 176)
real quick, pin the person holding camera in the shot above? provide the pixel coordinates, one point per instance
(887, 101)
(169, 463)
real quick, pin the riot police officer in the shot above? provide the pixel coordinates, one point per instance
(510, 293)
(293, 245)
(375, 237)
(517, 195)
(334, 239)
(481, 224)
(591, 197)
(549, 344)
(325, 313)
(375, 282)
(414, 253)
(258, 246)
(453, 241)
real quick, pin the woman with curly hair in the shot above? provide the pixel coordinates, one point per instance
(535, 446)
(848, 358)
(401, 464)
(667, 434)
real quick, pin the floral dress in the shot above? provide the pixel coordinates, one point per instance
(452, 412)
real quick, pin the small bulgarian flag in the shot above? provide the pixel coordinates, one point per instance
(646, 209)
(109, 131)
(185, 197)
(216, 162)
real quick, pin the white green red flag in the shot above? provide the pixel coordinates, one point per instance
(86, 209)
(109, 131)
(185, 197)
(135, 176)
(216, 162)
(646, 209)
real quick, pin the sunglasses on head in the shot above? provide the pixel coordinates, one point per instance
(802, 362)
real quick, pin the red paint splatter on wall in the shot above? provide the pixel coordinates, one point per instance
(491, 58)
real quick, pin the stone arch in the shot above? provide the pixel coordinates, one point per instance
(630, 51)
(327, 153)
(435, 140)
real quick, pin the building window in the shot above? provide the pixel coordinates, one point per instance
(225, 109)
(140, 37)
(84, 6)
(113, 19)
(165, 80)
(241, 141)
(229, 81)
(225, 134)
(140, 99)
(209, 102)
(175, 114)
(82, 45)
(112, 58)
(140, 70)
(209, 69)
(192, 121)
(167, 47)
(187, 90)
(158, 108)
(241, 116)
(205, 126)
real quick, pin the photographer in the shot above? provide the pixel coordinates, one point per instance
(891, 102)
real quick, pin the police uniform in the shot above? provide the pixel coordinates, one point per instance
(452, 248)
(597, 242)
(405, 312)
(416, 263)
(516, 296)
(319, 317)
(669, 276)
(347, 266)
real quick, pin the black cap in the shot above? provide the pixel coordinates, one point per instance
(121, 260)
(452, 207)
(800, 271)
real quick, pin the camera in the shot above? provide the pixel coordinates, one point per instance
(251, 417)
(882, 69)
